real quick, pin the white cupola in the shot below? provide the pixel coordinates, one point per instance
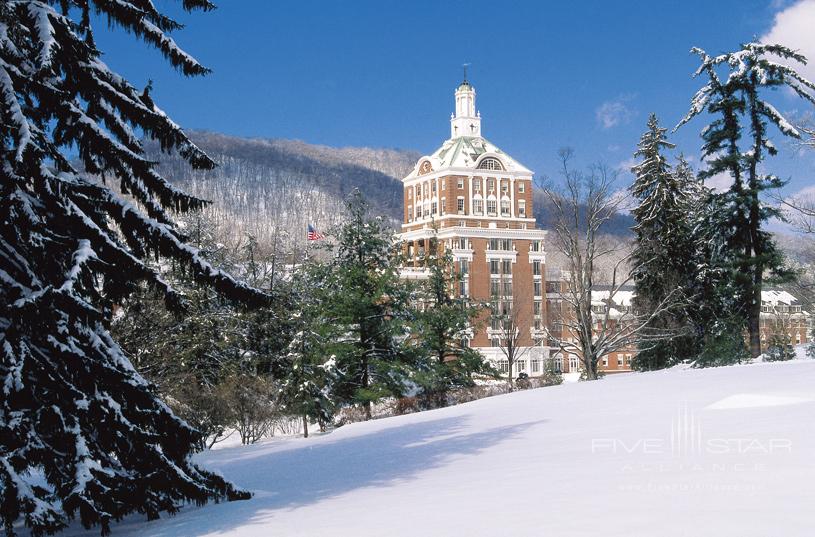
(466, 121)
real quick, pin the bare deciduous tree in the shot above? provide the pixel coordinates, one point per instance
(508, 324)
(584, 203)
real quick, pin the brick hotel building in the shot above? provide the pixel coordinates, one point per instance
(477, 201)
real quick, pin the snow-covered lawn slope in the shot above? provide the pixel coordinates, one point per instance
(727, 451)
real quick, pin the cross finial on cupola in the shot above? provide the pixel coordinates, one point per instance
(465, 66)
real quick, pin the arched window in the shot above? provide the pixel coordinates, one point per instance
(490, 163)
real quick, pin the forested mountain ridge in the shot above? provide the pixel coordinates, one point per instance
(272, 188)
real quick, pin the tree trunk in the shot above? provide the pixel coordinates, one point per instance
(754, 319)
(305, 426)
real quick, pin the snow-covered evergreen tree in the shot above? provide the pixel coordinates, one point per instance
(309, 371)
(663, 246)
(736, 100)
(368, 304)
(443, 322)
(82, 434)
(779, 348)
(716, 311)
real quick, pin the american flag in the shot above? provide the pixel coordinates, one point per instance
(313, 235)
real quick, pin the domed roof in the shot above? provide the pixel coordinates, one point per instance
(468, 152)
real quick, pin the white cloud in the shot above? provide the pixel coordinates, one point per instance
(719, 182)
(615, 112)
(623, 199)
(794, 27)
(625, 166)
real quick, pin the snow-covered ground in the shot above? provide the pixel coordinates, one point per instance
(724, 451)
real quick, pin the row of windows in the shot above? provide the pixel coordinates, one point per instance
(622, 359)
(520, 366)
(781, 308)
(478, 208)
(430, 187)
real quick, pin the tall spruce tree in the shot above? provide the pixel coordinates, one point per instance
(443, 322)
(308, 370)
(82, 434)
(736, 101)
(663, 246)
(368, 304)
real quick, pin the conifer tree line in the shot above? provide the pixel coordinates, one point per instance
(713, 245)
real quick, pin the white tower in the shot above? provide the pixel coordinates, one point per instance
(465, 121)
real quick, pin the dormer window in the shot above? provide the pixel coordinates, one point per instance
(490, 163)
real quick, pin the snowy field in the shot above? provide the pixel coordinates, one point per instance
(725, 451)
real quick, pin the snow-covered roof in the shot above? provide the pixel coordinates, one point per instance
(621, 297)
(774, 298)
(468, 152)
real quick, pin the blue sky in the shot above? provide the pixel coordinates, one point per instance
(382, 74)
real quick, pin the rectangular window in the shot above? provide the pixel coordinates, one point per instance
(460, 183)
(537, 288)
(478, 206)
(504, 187)
(444, 184)
(507, 288)
(495, 287)
(463, 288)
(619, 361)
(410, 213)
(491, 186)
(477, 186)
(492, 207)
(464, 265)
(605, 362)
(521, 187)
(500, 244)
(460, 205)
(434, 187)
(504, 207)
(520, 365)
(418, 191)
(536, 267)
(522, 208)
(536, 366)
(535, 246)
(434, 207)
(495, 267)
(536, 308)
(503, 365)
(506, 266)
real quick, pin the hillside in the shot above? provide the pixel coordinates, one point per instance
(679, 452)
(262, 186)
